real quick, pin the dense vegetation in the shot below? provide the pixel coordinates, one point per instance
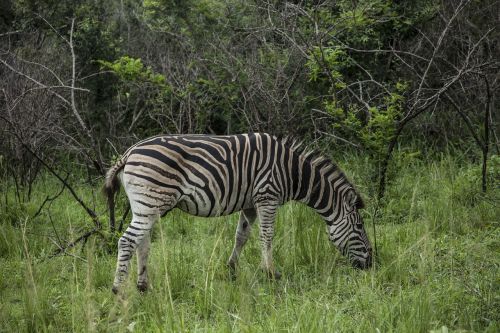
(403, 94)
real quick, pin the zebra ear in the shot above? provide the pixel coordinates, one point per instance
(360, 204)
(354, 200)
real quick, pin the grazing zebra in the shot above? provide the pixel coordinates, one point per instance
(254, 173)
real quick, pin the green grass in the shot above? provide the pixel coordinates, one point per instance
(437, 269)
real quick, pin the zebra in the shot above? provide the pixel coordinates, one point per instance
(210, 175)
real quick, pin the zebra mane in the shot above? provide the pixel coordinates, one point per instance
(310, 154)
(315, 157)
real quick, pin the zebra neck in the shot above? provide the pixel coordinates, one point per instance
(319, 187)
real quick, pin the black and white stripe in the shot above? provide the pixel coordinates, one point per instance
(218, 175)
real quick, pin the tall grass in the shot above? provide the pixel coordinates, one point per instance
(437, 267)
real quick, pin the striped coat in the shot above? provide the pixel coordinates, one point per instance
(218, 175)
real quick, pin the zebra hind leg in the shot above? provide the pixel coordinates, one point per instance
(247, 218)
(137, 232)
(267, 214)
(142, 259)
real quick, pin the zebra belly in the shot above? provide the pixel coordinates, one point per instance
(198, 205)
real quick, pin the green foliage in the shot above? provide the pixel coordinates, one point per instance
(133, 70)
(381, 125)
(334, 58)
(362, 94)
(192, 19)
(375, 132)
(362, 25)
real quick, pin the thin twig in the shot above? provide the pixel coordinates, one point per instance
(49, 199)
(72, 244)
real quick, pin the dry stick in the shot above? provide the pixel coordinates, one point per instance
(385, 162)
(374, 222)
(55, 231)
(83, 238)
(49, 199)
(399, 129)
(486, 132)
(466, 120)
(10, 33)
(97, 162)
(120, 228)
(483, 144)
(73, 76)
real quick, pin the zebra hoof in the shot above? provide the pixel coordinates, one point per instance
(115, 290)
(274, 275)
(142, 287)
(232, 270)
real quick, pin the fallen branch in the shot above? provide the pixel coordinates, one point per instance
(84, 237)
(49, 199)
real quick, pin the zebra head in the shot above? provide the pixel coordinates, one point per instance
(348, 233)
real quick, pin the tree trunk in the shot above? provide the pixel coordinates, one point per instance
(486, 135)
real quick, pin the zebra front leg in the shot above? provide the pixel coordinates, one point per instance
(267, 216)
(247, 218)
(131, 239)
(142, 260)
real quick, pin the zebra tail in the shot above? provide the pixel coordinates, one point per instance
(111, 186)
